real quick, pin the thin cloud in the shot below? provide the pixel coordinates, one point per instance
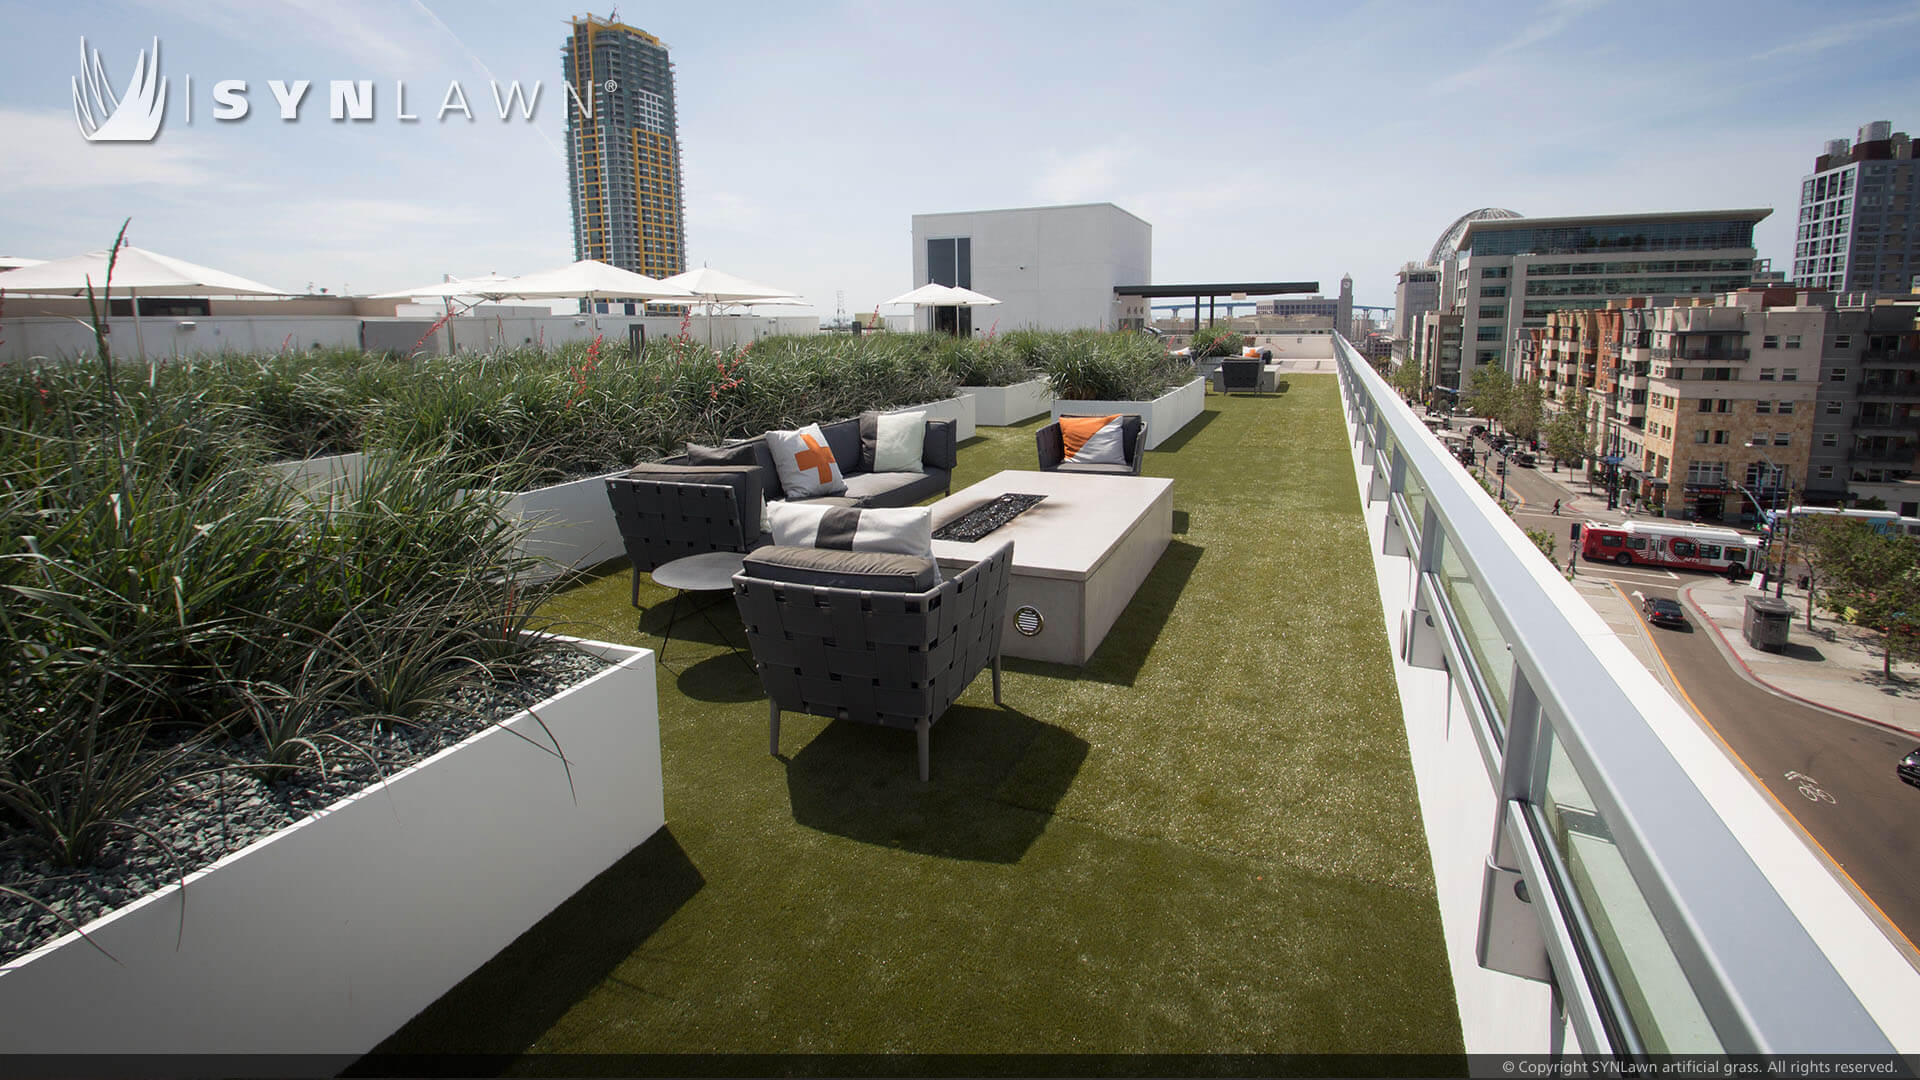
(1086, 176)
(46, 153)
(1560, 14)
(1844, 34)
(366, 32)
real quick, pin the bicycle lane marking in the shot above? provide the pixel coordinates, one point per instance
(1885, 921)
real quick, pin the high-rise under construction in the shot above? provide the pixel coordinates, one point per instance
(623, 148)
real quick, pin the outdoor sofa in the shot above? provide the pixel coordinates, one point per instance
(710, 498)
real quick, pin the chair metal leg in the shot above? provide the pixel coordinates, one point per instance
(673, 615)
(924, 729)
(996, 678)
(635, 598)
(773, 729)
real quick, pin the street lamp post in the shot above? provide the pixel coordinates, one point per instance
(1784, 536)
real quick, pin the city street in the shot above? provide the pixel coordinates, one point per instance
(1832, 774)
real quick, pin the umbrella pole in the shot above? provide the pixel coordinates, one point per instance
(139, 340)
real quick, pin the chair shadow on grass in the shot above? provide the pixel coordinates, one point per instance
(1194, 427)
(997, 775)
(514, 998)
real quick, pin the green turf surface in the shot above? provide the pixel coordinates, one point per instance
(1206, 841)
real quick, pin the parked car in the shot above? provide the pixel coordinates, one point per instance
(1909, 767)
(1525, 460)
(1661, 611)
(1477, 429)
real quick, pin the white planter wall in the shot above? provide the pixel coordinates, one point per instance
(326, 937)
(1165, 415)
(571, 525)
(960, 410)
(998, 406)
(313, 476)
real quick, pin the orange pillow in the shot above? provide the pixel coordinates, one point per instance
(1076, 430)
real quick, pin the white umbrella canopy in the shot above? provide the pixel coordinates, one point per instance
(935, 295)
(590, 279)
(932, 294)
(711, 287)
(969, 298)
(486, 287)
(136, 272)
(718, 287)
(14, 262)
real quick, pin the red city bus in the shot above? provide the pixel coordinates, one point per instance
(1678, 547)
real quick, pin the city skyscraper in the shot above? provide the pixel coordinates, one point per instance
(623, 148)
(1857, 230)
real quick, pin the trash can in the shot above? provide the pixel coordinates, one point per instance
(1767, 623)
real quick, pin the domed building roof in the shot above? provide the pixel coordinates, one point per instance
(1449, 243)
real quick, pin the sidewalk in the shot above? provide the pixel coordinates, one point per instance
(1842, 674)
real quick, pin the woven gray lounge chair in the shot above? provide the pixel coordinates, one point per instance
(1133, 443)
(876, 656)
(691, 512)
(1245, 375)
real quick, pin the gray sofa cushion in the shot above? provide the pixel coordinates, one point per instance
(873, 571)
(844, 438)
(895, 488)
(752, 452)
(1110, 470)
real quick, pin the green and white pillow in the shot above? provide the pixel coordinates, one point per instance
(900, 439)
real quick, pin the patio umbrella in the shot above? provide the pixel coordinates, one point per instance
(591, 280)
(484, 287)
(710, 287)
(14, 262)
(935, 295)
(136, 273)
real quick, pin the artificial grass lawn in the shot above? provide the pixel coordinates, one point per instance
(1206, 841)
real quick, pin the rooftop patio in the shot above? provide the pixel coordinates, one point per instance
(1206, 841)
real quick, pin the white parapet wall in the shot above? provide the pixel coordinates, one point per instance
(1165, 415)
(998, 406)
(326, 937)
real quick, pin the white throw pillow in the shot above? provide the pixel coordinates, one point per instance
(1103, 447)
(806, 463)
(899, 441)
(906, 530)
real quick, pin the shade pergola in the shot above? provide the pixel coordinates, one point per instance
(137, 272)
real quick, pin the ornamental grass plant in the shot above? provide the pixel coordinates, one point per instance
(1108, 367)
(164, 600)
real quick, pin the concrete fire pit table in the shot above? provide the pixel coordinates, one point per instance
(1078, 556)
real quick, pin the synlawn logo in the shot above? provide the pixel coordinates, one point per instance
(135, 114)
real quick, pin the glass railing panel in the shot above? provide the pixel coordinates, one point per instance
(1415, 493)
(1475, 618)
(1658, 999)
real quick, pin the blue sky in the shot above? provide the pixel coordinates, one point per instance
(1261, 140)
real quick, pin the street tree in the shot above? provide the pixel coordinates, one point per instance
(1525, 407)
(1871, 578)
(1488, 393)
(1407, 380)
(1569, 434)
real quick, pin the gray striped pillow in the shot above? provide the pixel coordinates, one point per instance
(906, 530)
